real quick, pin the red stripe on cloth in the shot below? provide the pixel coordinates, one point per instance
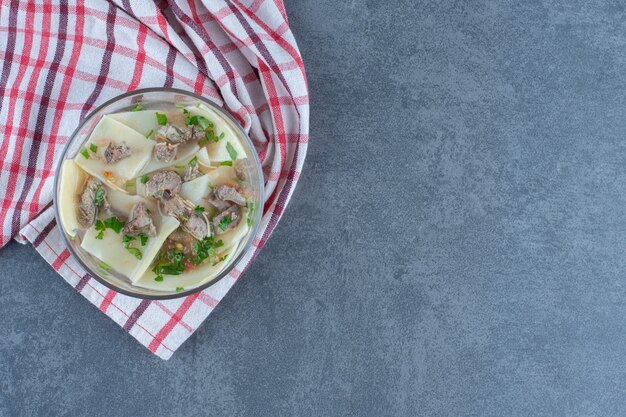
(173, 321)
(208, 300)
(108, 299)
(141, 57)
(60, 260)
(6, 66)
(42, 112)
(61, 102)
(106, 61)
(19, 146)
(278, 38)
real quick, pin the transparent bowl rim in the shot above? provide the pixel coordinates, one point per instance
(251, 234)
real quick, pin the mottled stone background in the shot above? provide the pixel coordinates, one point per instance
(455, 247)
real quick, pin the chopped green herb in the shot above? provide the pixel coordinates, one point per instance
(148, 211)
(193, 161)
(177, 256)
(193, 120)
(227, 163)
(104, 266)
(180, 289)
(231, 151)
(114, 223)
(133, 251)
(179, 106)
(100, 225)
(100, 235)
(184, 218)
(149, 133)
(199, 209)
(250, 211)
(209, 136)
(84, 152)
(137, 107)
(168, 268)
(136, 252)
(180, 166)
(99, 197)
(221, 136)
(223, 258)
(197, 105)
(143, 238)
(204, 122)
(93, 148)
(159, 278)
(223, 224)
(211, 186)
(161, 118)
(144, 179)
(205, 248)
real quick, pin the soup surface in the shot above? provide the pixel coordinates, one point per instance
(160, 195)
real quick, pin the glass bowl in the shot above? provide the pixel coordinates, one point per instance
(150, 97)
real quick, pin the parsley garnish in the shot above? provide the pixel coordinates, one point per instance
(149, 133)
(179, 106)
(193, 161)
(223, 258)
(114, 223)
(223, 224)
(227, 163)
(84, 152)
(158, 278)
(93, 148)
(199, 209)
(100, 227)
(231, 151)
(143, 238)
(137, 107)
(133, 251)
(104, 266)
(161, 118)
(98, 198)
(205, 248)
(250, 211)
(180, 289)
(144, 179)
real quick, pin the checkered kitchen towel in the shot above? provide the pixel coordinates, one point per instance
(60, 59)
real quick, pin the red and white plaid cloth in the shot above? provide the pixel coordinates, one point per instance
(59, 60)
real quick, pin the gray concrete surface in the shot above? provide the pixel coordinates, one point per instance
(455, 247)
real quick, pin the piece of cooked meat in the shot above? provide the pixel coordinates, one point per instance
(241, 168)
(163, 183)
(193, 132)
(191, 173)
(174, 206)
(228, 193)
(87, 208)
(165, 152)
(218, 204)
(227, 220)
(169, 133)
(140, 222)
(196, 225)
(114, 153)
